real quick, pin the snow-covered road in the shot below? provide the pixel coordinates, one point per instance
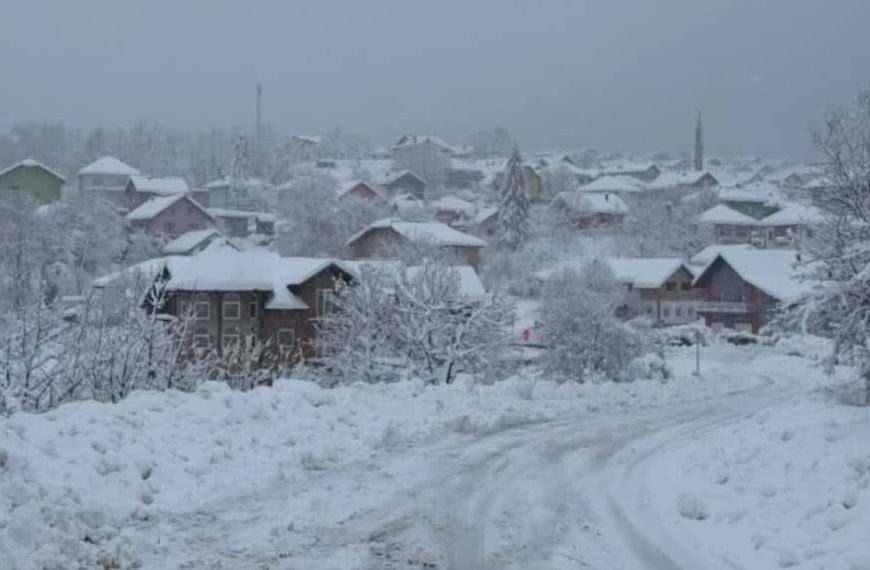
(558, 494)
(524, 475)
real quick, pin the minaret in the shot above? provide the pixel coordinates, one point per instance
(699, 145)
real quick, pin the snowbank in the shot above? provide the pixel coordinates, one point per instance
(90, 484)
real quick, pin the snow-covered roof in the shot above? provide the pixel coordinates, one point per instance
(453, 204)
(617, 183)
(264, 217)
(470, 286)
(592, 202)
(643, 273)
(32, 163)
(485, 214)
(153, 206)
(250, 182)
(723, 215)
(109, 165)
(391, 177)
(186, 242)
(226, 269)
(709, 253)
(670, 179)
(795, 215)
(346, 186)
(165, 186)
(774, 271)
(622, 167)
(434, 233)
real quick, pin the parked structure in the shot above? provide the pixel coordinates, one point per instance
(32, 178)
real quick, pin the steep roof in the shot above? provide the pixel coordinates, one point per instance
(774, 271)
(435, 233)
(109, 165)
(154, 206)
(164, 186)
(709, 253)
(346, 186)
(31, 163)
(722, 214)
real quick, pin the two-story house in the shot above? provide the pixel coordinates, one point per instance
(106, 177)
(742, 288)
(32, 178)
(660, 288)
(227, 295)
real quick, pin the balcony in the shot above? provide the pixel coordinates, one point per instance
(724, 307)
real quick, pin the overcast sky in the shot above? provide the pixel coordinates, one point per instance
(614, 74)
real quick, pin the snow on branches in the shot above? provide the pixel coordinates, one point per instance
(513, 213)
(394, 321)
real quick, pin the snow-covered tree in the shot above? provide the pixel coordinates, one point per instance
(317, 222)
(665, 223)
(513, 213)
(241, 168)
(584, 340)
(395, 320)
(840, 254)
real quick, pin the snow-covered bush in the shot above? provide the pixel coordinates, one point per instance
(650, 367)
(583, 338)
(392, 322)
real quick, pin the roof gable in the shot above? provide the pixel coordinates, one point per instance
(31, 163)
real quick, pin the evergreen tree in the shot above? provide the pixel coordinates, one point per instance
(513, 215)
(240, 168)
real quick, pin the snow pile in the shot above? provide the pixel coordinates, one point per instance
(787, 487)
(92, 485)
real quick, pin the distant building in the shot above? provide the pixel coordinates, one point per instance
(379, 237)
(251, 194)
(590, 209)
(242, 223)
(170, 216)
(106, 177)
(196, 241)
(140, 189)
(32, 178)
(730, 226)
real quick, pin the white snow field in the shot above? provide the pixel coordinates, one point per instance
(750, 466)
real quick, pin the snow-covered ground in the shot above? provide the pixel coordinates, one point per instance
(748, 466)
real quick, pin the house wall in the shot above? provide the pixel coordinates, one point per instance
(735, 234)
(672, 304)
(37, 182)
(723, 284)
(177, 219)
(234, 226)
(261, 322)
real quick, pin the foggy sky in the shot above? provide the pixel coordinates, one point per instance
(614, 74)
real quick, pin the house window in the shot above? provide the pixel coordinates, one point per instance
(325, 302)
(183, 308)
(666, 312)
(201, 337)
(690, 311)
(202, 306)
(231, 336)
(678, 312)
(286, 338)
(169, 226)
(649, 311)
(671, 286)
(686, 286)
(724, 232)
(252, 308)
(232, 307)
